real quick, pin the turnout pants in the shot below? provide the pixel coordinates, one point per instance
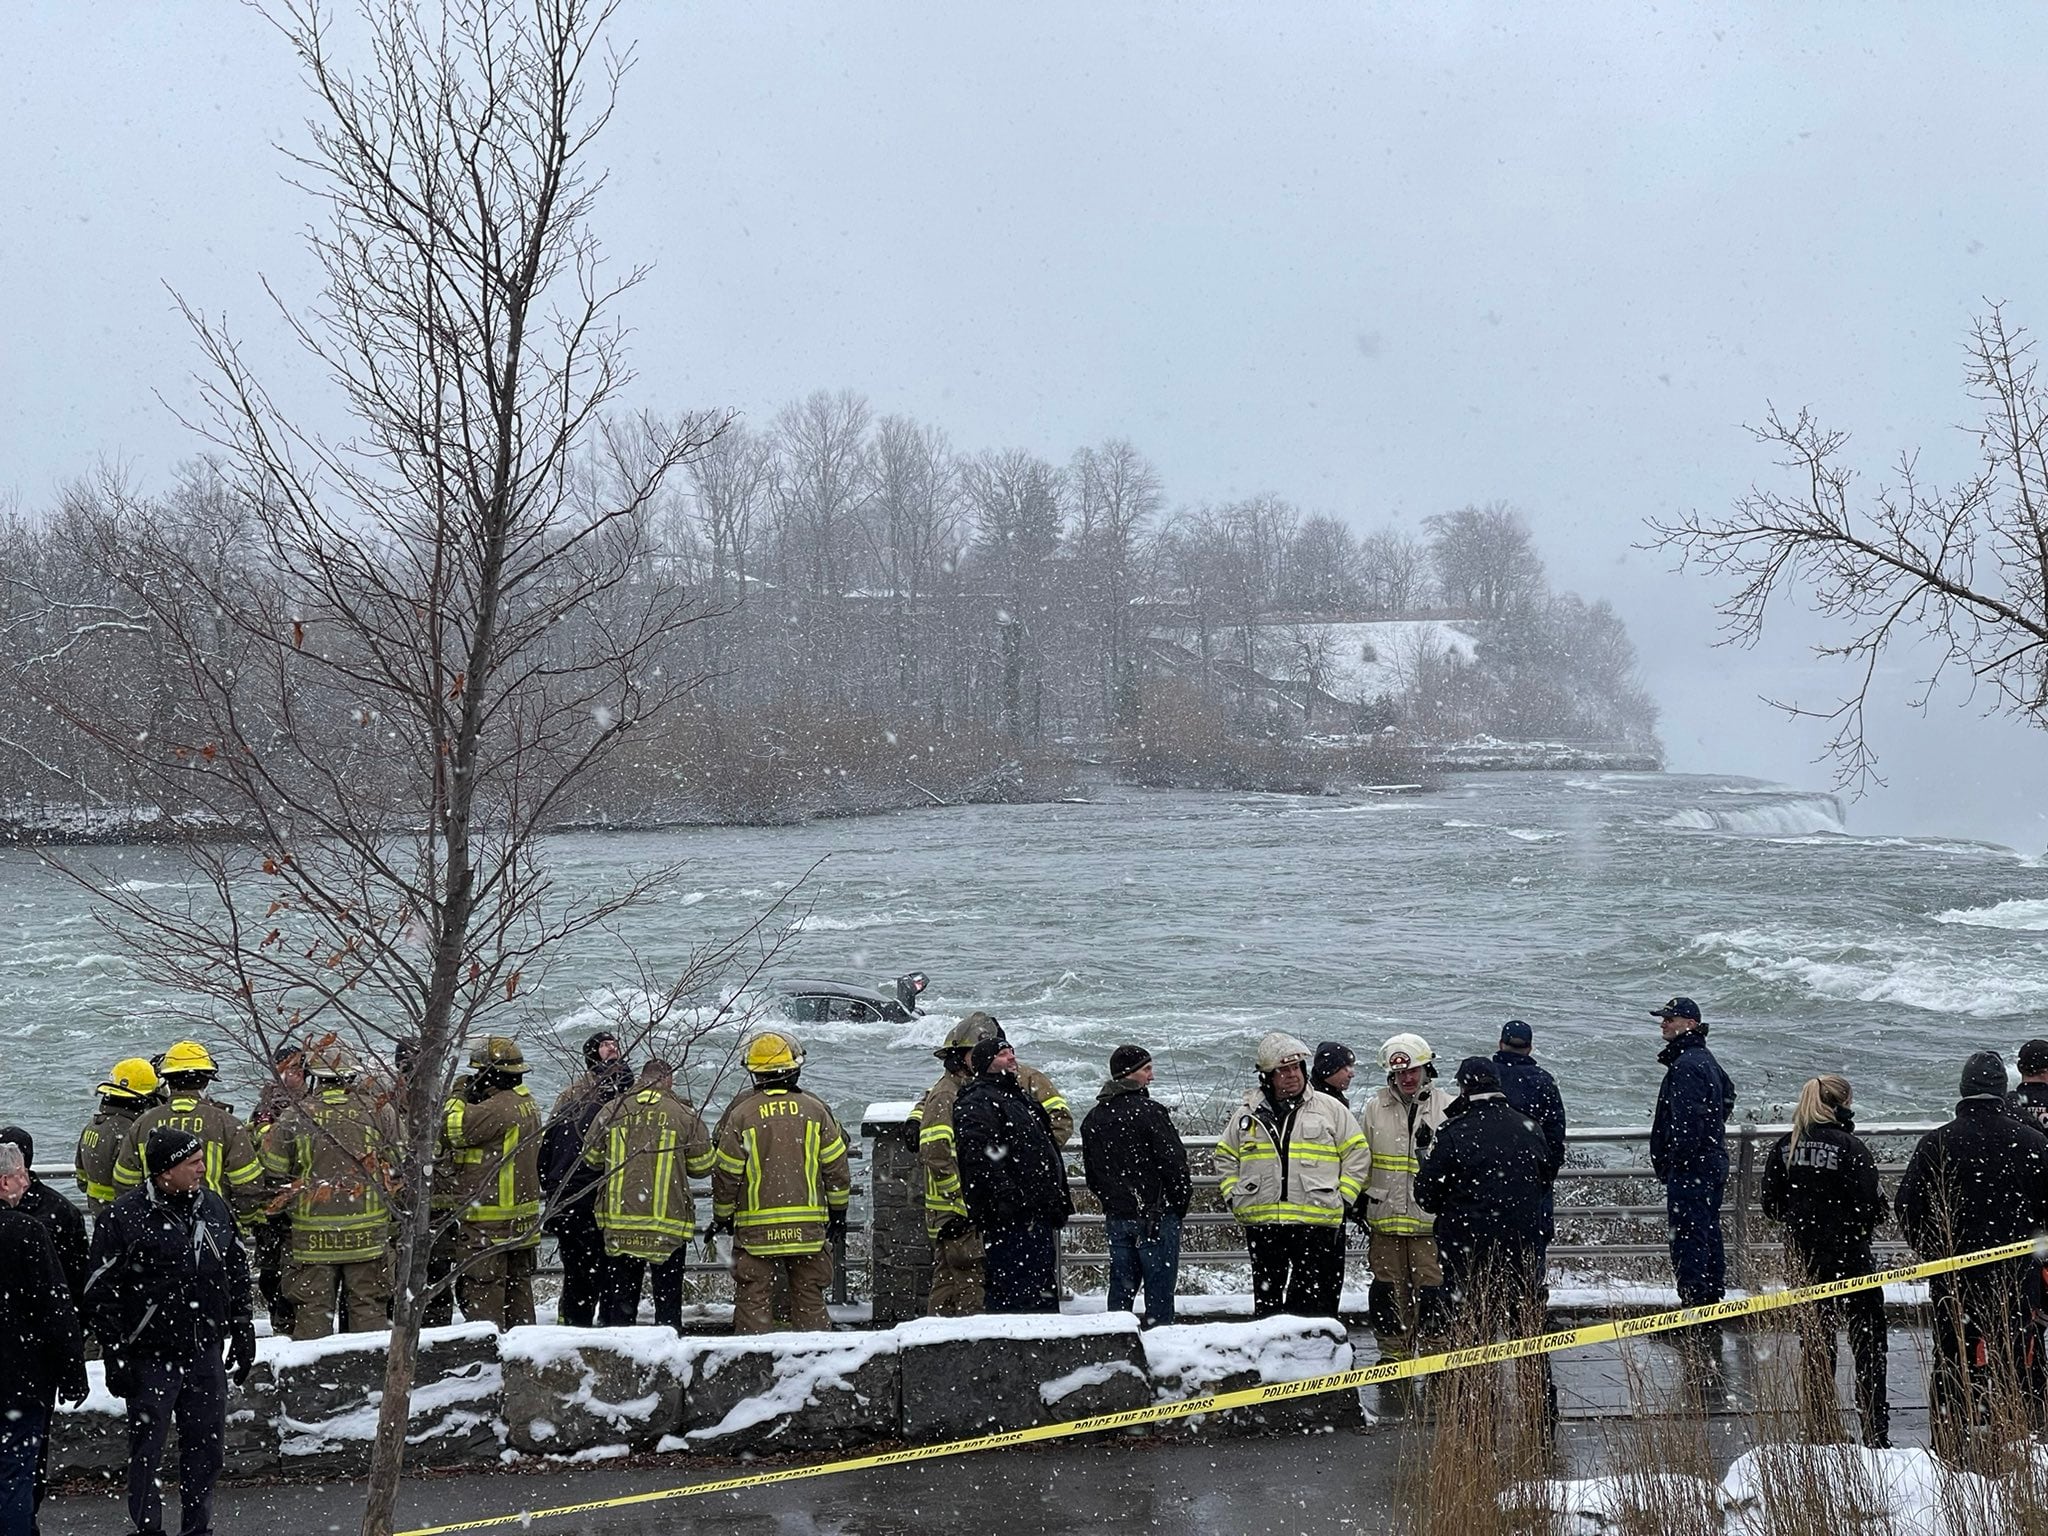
(622, 1276)
(364, 1289)
(1407, 1301)
(195, 1397)
(1296, 1268)
(956, 1277)
(754, 1284)
(496, 1283)
(1022, 1268)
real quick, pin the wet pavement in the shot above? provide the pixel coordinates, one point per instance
(1350, 1481)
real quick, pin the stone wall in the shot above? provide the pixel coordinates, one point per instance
(546, 1391)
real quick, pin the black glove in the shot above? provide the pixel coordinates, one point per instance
(75, 1388)
(1423, 1137)
(954, 1228)
(1148, 1227)
(120, 1376)
(242, 1351)
(721, 1226)
(835, 1226)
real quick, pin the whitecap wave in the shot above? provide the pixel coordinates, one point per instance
(1912, 844)
(1929, 975)
(137, 887)
(818, 922)
(2019, 915)
(1519, 834)
(1801, 815)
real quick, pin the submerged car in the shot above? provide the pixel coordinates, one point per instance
(809, 1000)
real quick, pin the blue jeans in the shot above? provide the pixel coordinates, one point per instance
(1154, 1262)
(1693, 1203)
(24, 1432)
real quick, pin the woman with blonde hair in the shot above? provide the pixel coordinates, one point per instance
(1821, 1182)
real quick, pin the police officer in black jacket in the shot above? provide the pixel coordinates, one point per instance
(1014, 1182)
(1532, 1090)
(1980, 1181)
(168, 1290)
(1821, 1182)
(42, 1353)
(1486, 1178)
(1689, 1151)
(1137, 1167)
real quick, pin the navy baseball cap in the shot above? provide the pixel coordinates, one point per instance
(1678, 1008)
(1515, 1032)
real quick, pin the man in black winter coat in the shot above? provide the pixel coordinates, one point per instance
(1533, 1091)
(55, 1211)
(1689, 1151)
(1979, 1181)
(1014, 1182)
(568, 1185)
(2030, 1100)
(41, 1349)
(1486, 1179)
(1138, 1169)
(168, 1290)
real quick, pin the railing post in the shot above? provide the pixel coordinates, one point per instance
(1745, 1160)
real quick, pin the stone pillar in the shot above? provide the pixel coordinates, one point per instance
(900, 1262)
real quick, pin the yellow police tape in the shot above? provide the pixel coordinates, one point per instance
(1280, 1391)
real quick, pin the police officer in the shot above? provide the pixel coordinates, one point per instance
(957, 1253)
(131, 1088)
(1406, 1299)
(780, 1186)
(1293, 1161)
(1014, 1182)
(492, 1132)
(1335, 1065)
(568, 1181)
(644, 1148)
(232, 1169)
(1533, 1092)
(1689, 1153)
(331, 1151)
(1821, 1182)
(169, 1288)
(1980, 1181)
(1485, 1179)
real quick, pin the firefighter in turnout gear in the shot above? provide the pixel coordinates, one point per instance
(1407, 1298)
(332, 1149)
(269, 1236)
(956, 1244)
(646, 1146)
(131, 1088)
(232, 1169)
(491, 1130)
(1293, 1161)
(780, 1187)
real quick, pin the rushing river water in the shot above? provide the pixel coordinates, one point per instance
(1194, 923)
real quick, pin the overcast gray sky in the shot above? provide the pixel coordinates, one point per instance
(1382, 261)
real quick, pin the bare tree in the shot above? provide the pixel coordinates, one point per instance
(822, 449)
(1395, 567)
(1485, 559)
(912, 528)
(462, 618)
(1116, 495)
(1963, 566)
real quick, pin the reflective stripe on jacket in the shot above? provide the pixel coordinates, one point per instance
(1390, 1123)
(99, 1147)
(650, 1145)
(496, 1149)
(781, 1170)
(232, 1169)
(1305, 1164)
(939, 1153)
(333, 1148)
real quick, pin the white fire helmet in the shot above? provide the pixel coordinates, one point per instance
(1403, 1052)
(1278, 1050)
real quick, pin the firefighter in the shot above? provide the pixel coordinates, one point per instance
(131, 1088)
(646, 1146)
(780, 1188)
(957, 1253)
(331, 1150)
(492, 1133)
(232, 1169)
(1407, 1299)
